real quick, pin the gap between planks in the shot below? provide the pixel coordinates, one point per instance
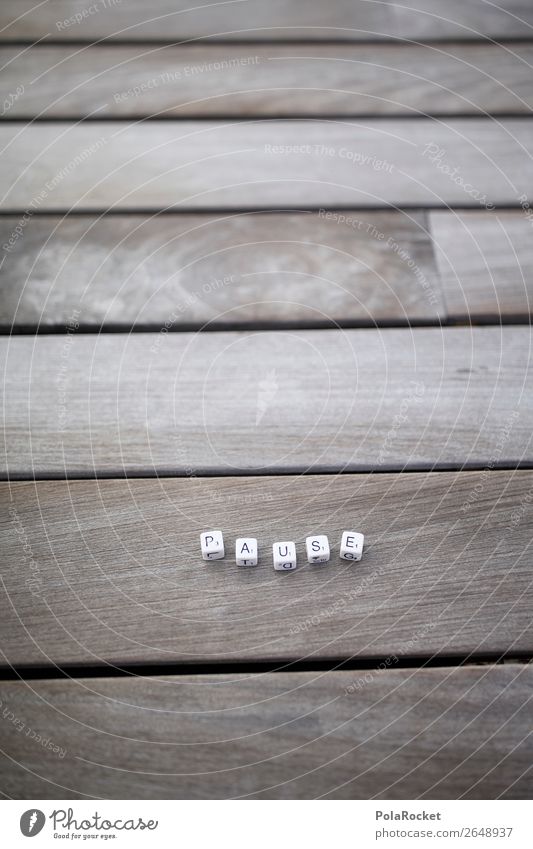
(140, 670)
(283, 471)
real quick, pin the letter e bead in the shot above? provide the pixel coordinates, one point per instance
(212, 543)
(352, 545)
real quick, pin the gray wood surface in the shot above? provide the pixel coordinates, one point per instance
(485, 261)
(350, 20)
(276, 80)
(222, 269)
(272, 401)
(229, 269)
(110, 571)
(209, 164)
(393, 734)
(107, 572)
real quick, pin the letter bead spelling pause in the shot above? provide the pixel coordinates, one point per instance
(284, 556)
(352, 545)
(246, 551)
(317, 549)
(212, 543)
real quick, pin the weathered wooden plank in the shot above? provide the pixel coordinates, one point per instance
(347, 266)
(394, 734)
(277, 400)
(208, 164)
(485, 260)
(135, 270)
(238, 80)
(346, 20)
(110, 571)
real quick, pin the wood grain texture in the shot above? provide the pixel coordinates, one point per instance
(321, 400)
(110, 571)
(404, 734)
(135, 271)
(238, 80)
(347, 266)
(346, 20)
(485, 261)
(256, 164)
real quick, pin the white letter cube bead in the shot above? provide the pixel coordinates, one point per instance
(284, 555)
(212, 543)
(246, 551)
(352, 545)
(317, 549)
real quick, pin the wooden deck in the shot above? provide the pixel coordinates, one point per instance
(266, 267)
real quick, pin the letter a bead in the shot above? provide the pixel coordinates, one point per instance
(317, 549)
(212, 543)
(246, 551)
(284, 556)
(352, 545)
